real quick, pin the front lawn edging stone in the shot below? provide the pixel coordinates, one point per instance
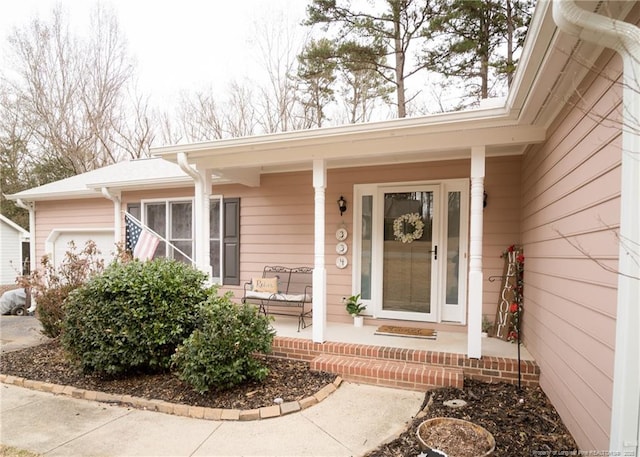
(176, 409)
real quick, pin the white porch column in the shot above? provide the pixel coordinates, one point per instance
(319, 270)
(474, 320)
(201, 207)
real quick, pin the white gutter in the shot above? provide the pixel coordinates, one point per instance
(31, 207)
(117, 211)
(201, 209)
(624, 38)
(456, 121)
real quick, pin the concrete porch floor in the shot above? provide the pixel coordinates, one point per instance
(450, 342)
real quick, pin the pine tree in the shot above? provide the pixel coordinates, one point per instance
(476, 41)
(386, 38)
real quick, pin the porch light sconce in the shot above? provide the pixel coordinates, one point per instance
(484, 200)
(342, 205)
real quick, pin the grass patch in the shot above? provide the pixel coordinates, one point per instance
(8, 451)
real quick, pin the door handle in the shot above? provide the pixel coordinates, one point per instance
(435, 252)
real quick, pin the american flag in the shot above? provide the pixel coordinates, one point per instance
(139, 240)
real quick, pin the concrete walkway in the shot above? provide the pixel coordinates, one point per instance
(19, 332)
(352, 421)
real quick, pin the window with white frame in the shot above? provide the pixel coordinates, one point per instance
(173, 220)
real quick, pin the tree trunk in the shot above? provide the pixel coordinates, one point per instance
(399, 67)
(509, 17)
(484, 53)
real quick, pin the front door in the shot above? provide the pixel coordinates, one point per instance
(409, 228)
(410, 250)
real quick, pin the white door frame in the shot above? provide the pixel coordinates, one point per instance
(440, 310)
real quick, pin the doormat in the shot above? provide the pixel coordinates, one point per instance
(410, 332)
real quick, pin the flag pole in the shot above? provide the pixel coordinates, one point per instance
(134, 219)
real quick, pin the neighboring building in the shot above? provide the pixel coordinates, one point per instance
(560, 175)
(14, 251)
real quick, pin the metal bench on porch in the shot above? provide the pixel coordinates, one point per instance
(282, 291)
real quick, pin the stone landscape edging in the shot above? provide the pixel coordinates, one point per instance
(177, 409)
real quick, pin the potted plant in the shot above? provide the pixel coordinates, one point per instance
(354, 307)
(487, 325)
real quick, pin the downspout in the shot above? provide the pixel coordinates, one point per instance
(117, 211)
(202, 193)
(31, 207)
(624, 38)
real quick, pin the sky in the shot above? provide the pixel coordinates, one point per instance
(177, 44)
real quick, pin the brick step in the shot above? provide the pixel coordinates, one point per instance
(389, 373)
(488, 369)
(307, 350)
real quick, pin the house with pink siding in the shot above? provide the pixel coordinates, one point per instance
(554, 168)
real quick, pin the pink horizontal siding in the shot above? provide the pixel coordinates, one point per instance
(277, 218)
(70, 214)
(570, 214)
(501, 221)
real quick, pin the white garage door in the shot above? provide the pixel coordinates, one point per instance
(58, 242)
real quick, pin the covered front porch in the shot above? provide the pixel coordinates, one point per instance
(359, 355)
(303, 173)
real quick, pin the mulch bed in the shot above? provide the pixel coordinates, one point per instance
(521, 421)
(288, 379)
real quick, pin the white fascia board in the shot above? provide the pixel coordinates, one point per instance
(538, 43)
(149, 183)
(376, 145)
(68, 194)
(349, 132)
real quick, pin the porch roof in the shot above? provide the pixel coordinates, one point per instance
(439, 137)
(547, 71)
(503, 130)
(551, 65)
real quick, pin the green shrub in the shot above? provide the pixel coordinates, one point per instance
(220, 353)
(132, 317)
(51, 285)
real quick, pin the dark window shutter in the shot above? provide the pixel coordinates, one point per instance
(231, 242)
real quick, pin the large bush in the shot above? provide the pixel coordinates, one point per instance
(50, 285)
(221, 352)
(133, 316)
